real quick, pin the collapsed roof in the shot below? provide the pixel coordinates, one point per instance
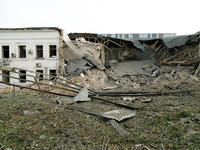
(170, 42)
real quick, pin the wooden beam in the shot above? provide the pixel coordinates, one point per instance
(118, 104)
(158, 48)
(163, 55)
(44, 79)
(55, 77)
(173, 56)
(107, 43)
(108, 48)
(155, 44)
(91, 112)
(36, 89)
(38, 86)
(115, 43)
(40, 83)
(118, 128)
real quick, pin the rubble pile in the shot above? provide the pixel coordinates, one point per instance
(92, 79)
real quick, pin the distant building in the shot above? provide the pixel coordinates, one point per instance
(139, 35)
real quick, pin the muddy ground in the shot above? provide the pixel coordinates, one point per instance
(30, 121)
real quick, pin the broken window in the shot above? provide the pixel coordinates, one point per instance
(39, 76)
(22, 51)
(52, 50)
(22, 76)
(5, 51)
(52, 73)
(39, 51)
(6, 78)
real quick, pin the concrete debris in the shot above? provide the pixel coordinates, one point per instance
(26, 113)
(132, 99)
(82, 95)
(146, 100)
(197, 117)
(119, 115)
(109, 88)
(42, 137)
(189, 131)
(185, 120)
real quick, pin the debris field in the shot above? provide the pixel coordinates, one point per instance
(114, 94)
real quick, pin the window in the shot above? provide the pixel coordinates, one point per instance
(135, 35)
(113, 35)
(22, 76)
(131, 36)
(143, 36)
(22, 51)
(5, 51)
(154, 35)
(39, 51)
(39, 75)
(52, 73)
(52, 50)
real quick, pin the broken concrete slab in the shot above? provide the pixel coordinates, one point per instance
(119, 115)
(133, 67)
(82, 95)
(78, 63)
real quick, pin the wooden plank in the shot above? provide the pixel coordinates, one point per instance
(88, 111)
(38, 86)
(118, 104)
(118, 128)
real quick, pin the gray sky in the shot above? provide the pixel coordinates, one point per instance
(104, 16)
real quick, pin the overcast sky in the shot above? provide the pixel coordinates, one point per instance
(104, 16)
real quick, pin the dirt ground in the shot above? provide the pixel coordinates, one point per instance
(30, 121)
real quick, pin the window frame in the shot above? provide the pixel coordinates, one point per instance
(40, 50)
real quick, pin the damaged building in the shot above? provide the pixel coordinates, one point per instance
(51, 51)
(142, 56)
(31, 49)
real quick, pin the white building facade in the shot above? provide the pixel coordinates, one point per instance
(32, 49)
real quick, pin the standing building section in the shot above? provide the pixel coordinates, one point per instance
(31, 49)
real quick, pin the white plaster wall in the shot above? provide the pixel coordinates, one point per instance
(30, 39)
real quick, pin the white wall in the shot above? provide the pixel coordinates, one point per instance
(30, 39)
